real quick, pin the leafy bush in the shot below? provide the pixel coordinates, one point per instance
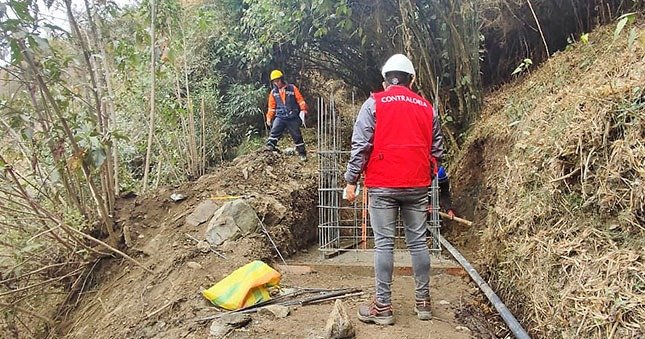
(240, 113)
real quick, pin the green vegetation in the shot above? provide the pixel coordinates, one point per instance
(564, 232)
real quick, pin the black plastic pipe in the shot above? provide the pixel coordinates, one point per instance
(515, 327)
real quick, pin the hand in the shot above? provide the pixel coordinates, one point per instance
(349, 193)
(451, 213)
(302, 117)
(269, 122)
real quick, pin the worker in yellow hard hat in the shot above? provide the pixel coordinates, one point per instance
(276, 74)
(286, 110)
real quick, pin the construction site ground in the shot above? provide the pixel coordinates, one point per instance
(123, 300)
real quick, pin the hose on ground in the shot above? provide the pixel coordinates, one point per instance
(515, 327)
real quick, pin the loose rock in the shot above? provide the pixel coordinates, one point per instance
(220, 327)
(176, 197)
(202, 213)
(203, 246)
(245, 173)
(234, 219)
(339, 325)
(463, 329)
(193, 265)
(278, 311)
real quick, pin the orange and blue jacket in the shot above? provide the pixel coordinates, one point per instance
(285, 102)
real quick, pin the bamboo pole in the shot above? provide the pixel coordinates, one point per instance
(151, 116)
(108, 101)
(192, 142)
(546, 48)
(103, 121)
(203, 138)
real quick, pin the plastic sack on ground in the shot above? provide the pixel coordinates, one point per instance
(244, 287)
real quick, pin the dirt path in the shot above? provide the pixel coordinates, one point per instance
(308, 321)
(122, 307)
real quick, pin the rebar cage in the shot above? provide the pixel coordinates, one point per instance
(344, 226)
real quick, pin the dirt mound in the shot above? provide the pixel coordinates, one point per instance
(554, 172)
(125, 301)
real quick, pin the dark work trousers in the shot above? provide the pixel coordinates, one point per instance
(293, 126)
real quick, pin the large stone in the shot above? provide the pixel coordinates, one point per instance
(202, 213)
(339, 325)
(273, 211)
(234, 219)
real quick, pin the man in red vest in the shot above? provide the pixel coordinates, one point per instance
(397, 144)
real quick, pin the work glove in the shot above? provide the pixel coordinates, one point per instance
(302, 117)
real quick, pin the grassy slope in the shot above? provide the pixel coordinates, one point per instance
(564, 209)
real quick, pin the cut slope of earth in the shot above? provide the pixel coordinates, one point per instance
(281, 190)
(554, 176)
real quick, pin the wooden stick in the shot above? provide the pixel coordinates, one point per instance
(151, 116)
(23, 276)
(40, 283)
(203, 141)
(546, 48)
(161, 309)
(90, 238)
(566, 176)
(457, 219)
(24, 310)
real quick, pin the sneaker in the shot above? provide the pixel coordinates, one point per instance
(422, 309)
(303, 157)
(376, 313)
(270, 148)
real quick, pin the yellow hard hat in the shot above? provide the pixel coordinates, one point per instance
(276, 74)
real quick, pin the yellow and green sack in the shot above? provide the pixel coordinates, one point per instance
(244, 287)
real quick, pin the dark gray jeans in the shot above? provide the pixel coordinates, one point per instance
(385, 204)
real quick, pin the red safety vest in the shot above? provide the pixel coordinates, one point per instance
(402, 140)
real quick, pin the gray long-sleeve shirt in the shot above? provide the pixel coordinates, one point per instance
(363, 138)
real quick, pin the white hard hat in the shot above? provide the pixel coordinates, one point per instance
(398, 62)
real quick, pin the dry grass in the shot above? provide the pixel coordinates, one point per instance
(565, 235)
